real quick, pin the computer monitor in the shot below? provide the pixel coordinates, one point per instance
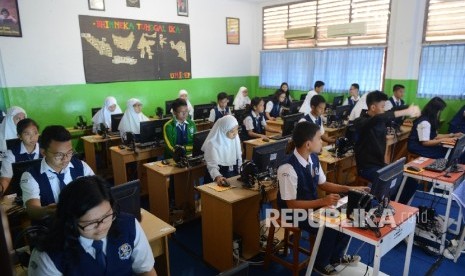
(94, 111)
(127, 197)
(10, 143)
(115, 120)
(202, 111)
(168, 105)
(289, 123)
(199, 138)
(337, 101)
(455, 154)
(18, 169)
(294, 107)
(267, 157)
(6, 246)
(388, 180)
(230, 100)
(152, 131)
(342, 112)
(303, 96)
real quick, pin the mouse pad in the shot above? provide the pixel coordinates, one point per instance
(217, 188)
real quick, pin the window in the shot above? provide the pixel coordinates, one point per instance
(324, 13)
(444, 21)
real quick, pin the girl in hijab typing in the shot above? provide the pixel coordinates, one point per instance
(222, 150)
(8, 126)
(242, 99)
(132, 117)
(109, 108)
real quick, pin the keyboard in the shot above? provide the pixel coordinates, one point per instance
(439, 165)
(146, 145)
(280, 137)
(114, 133)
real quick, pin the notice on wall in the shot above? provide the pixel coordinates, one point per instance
(117, 49)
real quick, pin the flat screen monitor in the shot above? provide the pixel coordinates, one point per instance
(199, 138)
(294, 107)
(127, 197)
(240, 115)
(267, 157)
(388, 180)
(18, 169)
(168, 107)
(289, 123)
(303, 96)
(456, 152)
(115, 120)
(343, 112)
(6, 246)
(152, 131)
(202, 111)
(337, 101)
(10, 143)
(230, 100)
(94, 111)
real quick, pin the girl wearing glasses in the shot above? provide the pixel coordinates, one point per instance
(89, 236)
(8, 125)
(132, 117)
(26, 149)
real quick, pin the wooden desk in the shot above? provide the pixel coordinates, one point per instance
(120, 157)
(398, 144)
(89, 147)
(224, 213)
(157, 232)
(278, 124)
(158, 178)
(335, 132)
(250, 144)
(337, 169)
(203, 125)
(405, 221)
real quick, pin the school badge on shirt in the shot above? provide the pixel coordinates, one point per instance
(124, 251)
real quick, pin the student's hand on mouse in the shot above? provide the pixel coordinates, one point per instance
(331, 199)
(272, 119)
(263, 136)
(219, 179)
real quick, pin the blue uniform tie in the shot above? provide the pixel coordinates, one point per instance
(99, 256)
(61, 179)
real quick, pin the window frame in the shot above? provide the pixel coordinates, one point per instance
(439, 42)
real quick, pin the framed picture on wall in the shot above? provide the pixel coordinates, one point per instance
(9, 18)
(133, 3)
(97, 5)
(182, 8)
(232, 30)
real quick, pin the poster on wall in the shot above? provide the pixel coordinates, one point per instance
(9, 18)
(116, 49)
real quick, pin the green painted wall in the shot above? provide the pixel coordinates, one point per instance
(62, 104)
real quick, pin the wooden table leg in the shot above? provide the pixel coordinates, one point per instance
(119, 168)
(158, 195)
(89, 151)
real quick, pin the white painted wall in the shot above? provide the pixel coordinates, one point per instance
(50, 51)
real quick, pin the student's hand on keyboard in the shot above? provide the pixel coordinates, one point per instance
(331, 199)
(362, 188)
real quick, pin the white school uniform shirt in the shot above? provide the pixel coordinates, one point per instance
(104, 114)
(322, 128)
(219, 149)
(346, 101)
(388, 105)
(305, 107)
(31, 189)
(240, 102)
(424, 131)
(359, 106)
(8, 126)
(10, 158)
(269, 106)
(287, 177)
(131, 120)
(248, 121)
(41, 264)
(212, 116)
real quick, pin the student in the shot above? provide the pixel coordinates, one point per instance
(288, 100)
(396, 100)
(179, 130)
(359, 108)
(41, 184)
(273, 107)
(254, 123)
(354, 96)
(109, 108)
(132, 117)
(221, 109)
(370, 146)
(28, 149)
(318, 106)
(13, 115)
(424, 139)
(242, 99)
(90, 236)
(222, 150)
(184, 95)
(299, 176)
(318, 88)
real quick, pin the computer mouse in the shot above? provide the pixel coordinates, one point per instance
(265, 140)
(413, 169)
(121, 146)
(225, 183)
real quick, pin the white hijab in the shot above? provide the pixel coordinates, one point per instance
(190, 108)
(131, 120)
(240, 101)
(104, 114)
(218, 147)
(8, 126)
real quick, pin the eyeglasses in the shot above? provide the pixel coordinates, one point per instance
(58, 156)
(94, 225)
(183, 112)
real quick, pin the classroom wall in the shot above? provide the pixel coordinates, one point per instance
(43, 70)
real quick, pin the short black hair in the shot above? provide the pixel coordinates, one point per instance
(317, 100)
(303, 132)
(255, 101)
(178, 103)
(25, 123)
(356, 86)
(397, 87)
(318, 84)
(53, 133)
(221, 96)
(375, 97)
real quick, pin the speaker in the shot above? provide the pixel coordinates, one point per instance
(358, 200)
